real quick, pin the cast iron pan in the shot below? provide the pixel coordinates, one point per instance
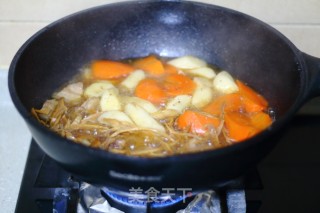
(248, 48)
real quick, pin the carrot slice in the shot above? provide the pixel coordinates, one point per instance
(150, 64)
(150, 90)
(104, 69)
(260, 120)
(253, 101)
(169, 69)
(196, 122)
(228, 103)
(177, 84)
(239, 126)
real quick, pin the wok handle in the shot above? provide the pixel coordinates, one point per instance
(313, 76)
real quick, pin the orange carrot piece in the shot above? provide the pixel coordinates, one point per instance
(169, 69)
(177, 84)
(253, 101)
(251, 106)
(104, 69)
(260, 120)
(196, 122)
(239, 126)
(228, 103)
(150, 90)
(150, 64)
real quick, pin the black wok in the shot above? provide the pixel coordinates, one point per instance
(248, 48)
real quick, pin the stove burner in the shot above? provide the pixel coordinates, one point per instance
(150, 202)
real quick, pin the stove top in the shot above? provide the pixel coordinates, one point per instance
(286, 181)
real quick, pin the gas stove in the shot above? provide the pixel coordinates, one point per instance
(286, 181)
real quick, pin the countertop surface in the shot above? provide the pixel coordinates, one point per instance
(14, 145)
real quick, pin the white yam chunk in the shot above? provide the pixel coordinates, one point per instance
(142, 118)
(110, 100)
(202, 94)
(133, 79)
(91, 105)
(166, 113)
(205, 72)
(187, 62)
(114, 115)
(203, 81)
(71, 93)
(224, 83)
(179, 103)
(97, 89)
(146, 105)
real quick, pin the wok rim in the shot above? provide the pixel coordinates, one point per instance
(275, 127)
